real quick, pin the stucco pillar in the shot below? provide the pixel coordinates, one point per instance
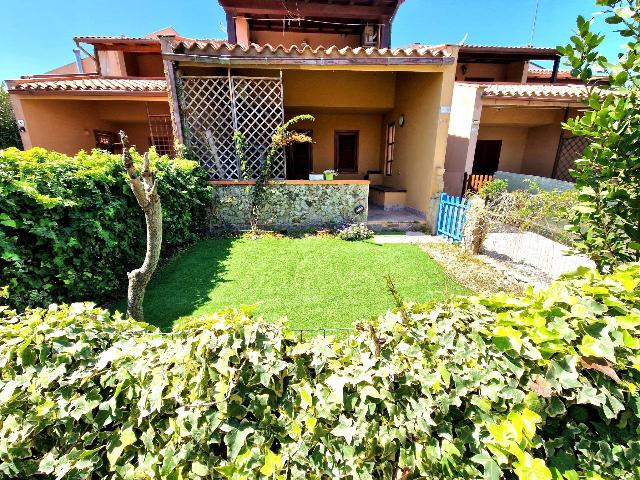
(242, 32)
(464, 124)
(18, 112)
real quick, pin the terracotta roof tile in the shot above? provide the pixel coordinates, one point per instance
(535, 91)
(95, 85)
(219, 48)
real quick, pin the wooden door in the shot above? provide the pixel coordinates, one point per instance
(300, 159)
(346, 151)
(487, 157)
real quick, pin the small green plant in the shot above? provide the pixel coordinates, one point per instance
(354, 232)
(493, 188)
(281, 138)
(329, 174)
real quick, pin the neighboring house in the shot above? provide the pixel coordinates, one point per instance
(120, 84)
(507, 115)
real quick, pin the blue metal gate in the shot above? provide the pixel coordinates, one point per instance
(452, 215)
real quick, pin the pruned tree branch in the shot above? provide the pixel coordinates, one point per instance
(145, 188)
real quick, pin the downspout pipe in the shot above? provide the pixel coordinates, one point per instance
(79, 65)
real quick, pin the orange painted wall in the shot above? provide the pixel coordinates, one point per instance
(324, 127)
(339, 89)
(298, 38)
(75, 121)
(421, 144)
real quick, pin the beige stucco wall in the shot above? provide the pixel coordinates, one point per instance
(421, 143)
(520, 115)
(530, 137)
(541, 150)
(514, 140)
(466, 110)
(369, 127)
(366, 91)
(298, 38)
(66, 125)
(510, 72)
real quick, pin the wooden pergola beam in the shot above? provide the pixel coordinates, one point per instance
(276, 7)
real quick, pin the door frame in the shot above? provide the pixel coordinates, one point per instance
(336, 134)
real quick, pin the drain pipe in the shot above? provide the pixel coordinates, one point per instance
(78, 60)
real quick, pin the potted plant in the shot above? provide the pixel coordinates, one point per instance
(329, 174)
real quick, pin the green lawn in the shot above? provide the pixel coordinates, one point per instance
(316, 282)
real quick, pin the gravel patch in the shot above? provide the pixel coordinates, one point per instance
(530, 257)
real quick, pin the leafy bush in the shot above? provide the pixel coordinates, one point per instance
(537, 388)
(544, 212)
(355, 231)
(607, 218)
(493, 187)
(9, 134)
(70, 228)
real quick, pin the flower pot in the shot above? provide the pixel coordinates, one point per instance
(328, 176)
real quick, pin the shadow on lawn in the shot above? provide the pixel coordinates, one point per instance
(183, 285)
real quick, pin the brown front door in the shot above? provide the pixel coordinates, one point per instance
(487, 157)
(300, 159)
(346, 151)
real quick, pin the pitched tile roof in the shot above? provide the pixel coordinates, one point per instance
(91, 85)
(441, 53)
(535, 91)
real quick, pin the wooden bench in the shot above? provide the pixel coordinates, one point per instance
(389, 198)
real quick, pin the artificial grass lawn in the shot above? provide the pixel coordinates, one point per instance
(316, 282)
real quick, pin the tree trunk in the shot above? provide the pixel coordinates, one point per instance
(145, 188)
(476, 229)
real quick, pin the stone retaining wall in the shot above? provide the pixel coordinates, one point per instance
(290, 205)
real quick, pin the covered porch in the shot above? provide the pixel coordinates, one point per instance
(515, 128)
(378, 118)
(89, 112)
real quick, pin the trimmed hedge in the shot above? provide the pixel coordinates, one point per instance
(70, 227)
(544, 387)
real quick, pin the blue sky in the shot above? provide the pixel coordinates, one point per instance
(44, 41)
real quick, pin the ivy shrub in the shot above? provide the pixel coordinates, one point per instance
(70, 227)
(9, 133)
(607, 217)
(544, 387)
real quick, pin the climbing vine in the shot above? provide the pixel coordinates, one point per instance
(282, 138)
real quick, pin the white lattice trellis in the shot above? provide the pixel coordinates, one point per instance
(214, 107)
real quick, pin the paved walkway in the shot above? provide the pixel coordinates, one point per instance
(525, 257)
(408, 237)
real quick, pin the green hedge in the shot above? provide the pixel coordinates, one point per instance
(544, 387)
(70, 227)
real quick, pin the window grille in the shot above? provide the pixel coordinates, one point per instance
(570, 150)
(161, 134)
(391, 147)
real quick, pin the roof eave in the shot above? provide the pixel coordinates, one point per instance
(258, 60)
(104, 93)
